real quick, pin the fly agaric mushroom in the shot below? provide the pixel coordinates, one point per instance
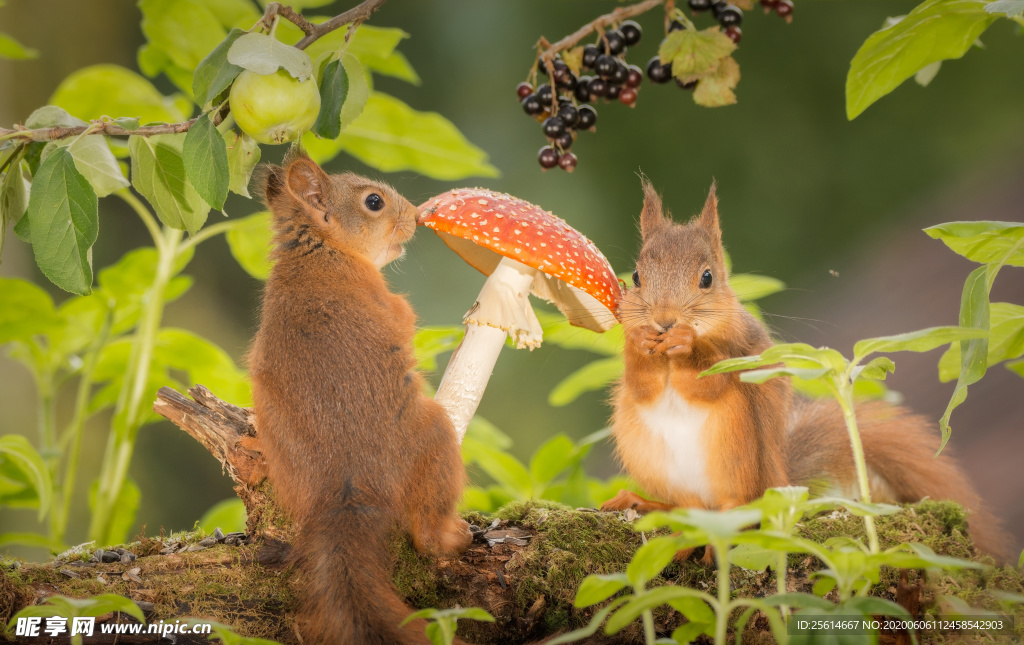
(522, 249)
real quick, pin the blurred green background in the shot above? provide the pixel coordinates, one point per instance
(803, 191)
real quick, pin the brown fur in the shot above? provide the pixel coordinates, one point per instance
(354, 449)
(755, 436)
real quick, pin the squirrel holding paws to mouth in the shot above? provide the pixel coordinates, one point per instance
(717, 442)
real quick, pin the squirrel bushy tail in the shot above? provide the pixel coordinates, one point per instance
(899, 448)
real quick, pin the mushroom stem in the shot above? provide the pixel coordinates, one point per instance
(502, 309)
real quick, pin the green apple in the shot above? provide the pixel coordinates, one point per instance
(274, 108)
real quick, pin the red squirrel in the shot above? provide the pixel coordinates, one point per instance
(717, 442)
(353, 448)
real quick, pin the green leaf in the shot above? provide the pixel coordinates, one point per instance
(26, 539)
(206, 161)
(694, 53)
(333, 90)
(1017, 367)
(558, 331)
(227, 515)
(129, 123)
(768, 373)
(13, 199)
(249, 241)
(597, 588)
(749, 287)
(1005, 340)
(391, 136)
(702, 526)
(27, 310)
(650, 559)
(63, 213)
(502, 467)
(753, 557)
(869, 605)
(214, 73)
(265, 54)
(51, 115)
(922, 340)
(551, 458)
(124, 511)
(95, 161)
(974, 312)
(638, 604)
(184, 30)
(243, 155)
(429, 342)
(983, 242)
(13, 50)
(935, 30)
(482, 430)
(1009, 8)
(358, 90)
(715, 89)
(590, 628)
(158, 172)
(112, 90)
(204, 362)
(20, 452)
(595, 375)
(694, 608)
(375, 49)
(126, 284)
(878, 368)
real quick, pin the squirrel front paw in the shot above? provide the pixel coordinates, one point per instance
(645, 338)
(676, 340)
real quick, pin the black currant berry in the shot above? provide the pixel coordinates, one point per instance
(613, 92)
(699, 5)
(631, 32)
(568, 114)
(565, 80)
(734, 33)
(564, 142)
(657, 72)
(588, 117)
(621, 72)
(532, 105)
(553, 127)
(614, 42)
(729, 16)
(582, 91)
(567, 162)
(676, 25)
(686, 86)
(784, 8)
(548, 157)
(605, 65)
(628, 96)
(590, 54)
(524, 90)
(542, 69)
(769, 4)
(598, 87)
(635, 76)
(544, 93)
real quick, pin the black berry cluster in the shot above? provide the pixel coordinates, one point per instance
(562, 104)
(728, 16)
(783, 8)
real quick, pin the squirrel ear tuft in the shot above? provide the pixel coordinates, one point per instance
(306, 182)
(708, 218)
(652, 217)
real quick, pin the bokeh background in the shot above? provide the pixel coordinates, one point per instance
(833, 208)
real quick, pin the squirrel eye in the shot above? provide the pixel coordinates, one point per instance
(636, 278)
(705, 279)
(374, 202)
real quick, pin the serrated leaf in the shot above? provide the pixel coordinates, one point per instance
(265, 54)
(333, 90)
(63, 212)
(374, 47)
(111, 90)
(158, 173)
(716, 89)
(52, 115)
(13, 199)
(214, 73)
(595, 375)
(974, 312)
(95, 161)
(243, 155)
(1009, 8)
(358, 90)
(695, 53)
(983, 241)
(13, 50)
(249, 241)
(206, 161)
(935, 30)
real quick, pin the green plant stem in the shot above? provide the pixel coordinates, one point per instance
(649, 634)
(144, 214)
(59, 520)
(207, 233)
(780, 580)
(128, 415)
(722, 611)
(845, 397)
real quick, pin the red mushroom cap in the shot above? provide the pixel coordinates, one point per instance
(524, 232)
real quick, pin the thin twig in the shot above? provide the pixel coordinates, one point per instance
(618, 15)
(355, 15)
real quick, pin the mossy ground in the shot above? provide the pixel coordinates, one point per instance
(530, 589)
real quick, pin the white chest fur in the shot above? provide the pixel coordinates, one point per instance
(681, 426)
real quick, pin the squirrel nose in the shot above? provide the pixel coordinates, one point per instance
(665, 324)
